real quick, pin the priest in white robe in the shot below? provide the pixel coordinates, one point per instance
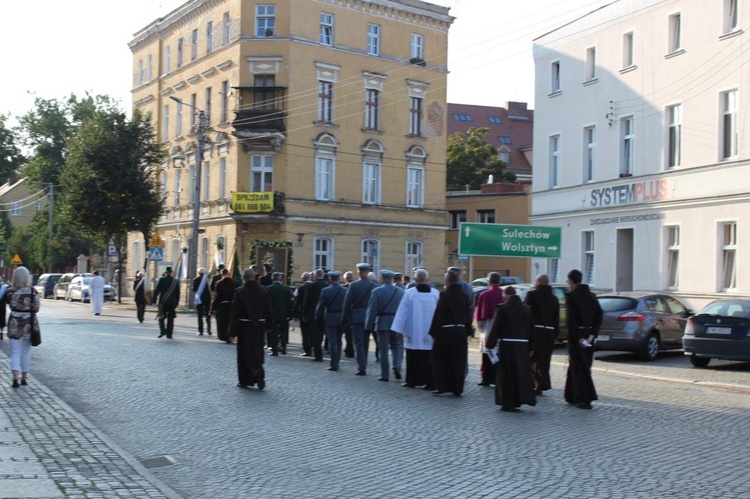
(96, 293)
(413, 319)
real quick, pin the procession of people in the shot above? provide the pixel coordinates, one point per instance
(419, 329)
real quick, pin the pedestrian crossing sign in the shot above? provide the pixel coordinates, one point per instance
(156, 254)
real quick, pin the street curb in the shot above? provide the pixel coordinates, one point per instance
(706, 384)
(132, 461)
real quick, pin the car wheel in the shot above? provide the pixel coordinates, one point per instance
(699, 361)
(650, 349)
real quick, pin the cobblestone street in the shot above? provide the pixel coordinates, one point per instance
(315, 433)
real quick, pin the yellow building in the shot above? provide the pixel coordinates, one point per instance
(21, 201)
(337, 107)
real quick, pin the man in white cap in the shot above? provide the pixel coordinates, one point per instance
(355, 307)
(202, 300)
(381, 310)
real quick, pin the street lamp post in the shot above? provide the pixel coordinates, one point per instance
(196, 197)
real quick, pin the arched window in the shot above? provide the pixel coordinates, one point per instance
(371, 253)
(325, 166)
(414, 256)
(203, 261)
(323, 253)
(415, 176)
(219, 254)
(372, 166)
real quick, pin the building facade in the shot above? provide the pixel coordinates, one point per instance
(20, 201)
(641, 151)
(335, 110)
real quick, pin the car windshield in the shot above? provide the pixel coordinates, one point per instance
(617, 303)
(86, 281)
(732, 308)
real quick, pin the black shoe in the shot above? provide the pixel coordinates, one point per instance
(162, 334)
(283, 351)
(318, 360)
(333, 368)
(509, 409)
(584, 405)
(349, 355)
(539, 391)
(397, 373)
(200, 334)
(23, 382)
(261, 384)
(483, 384)
(240, 385)
(169, 337)
(274, 355)
(15, 383)
(456, 394)
(407, 385)
(209, 333)
(305, 355)
(360, 373)
(429, 387)
(439, 392)
(382, 379)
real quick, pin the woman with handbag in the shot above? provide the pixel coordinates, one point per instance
(24, 304)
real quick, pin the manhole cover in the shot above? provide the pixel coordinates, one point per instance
(158, 462)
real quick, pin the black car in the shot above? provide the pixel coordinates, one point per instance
(46, 284)
(721, 330)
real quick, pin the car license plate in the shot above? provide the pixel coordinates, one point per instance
(718, 330)
(603, 337)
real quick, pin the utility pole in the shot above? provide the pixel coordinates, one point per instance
(196, 198)
(51, 209)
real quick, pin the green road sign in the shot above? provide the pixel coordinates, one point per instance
(528, 241)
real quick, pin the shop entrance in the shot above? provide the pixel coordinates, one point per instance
(624, 259)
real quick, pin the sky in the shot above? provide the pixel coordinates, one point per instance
(54, 48)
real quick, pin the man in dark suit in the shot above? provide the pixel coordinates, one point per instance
(140, 296)
(202, 300)
(312, 294)
(281, 302)
(267, 278)
(167, 293)
(298, 313)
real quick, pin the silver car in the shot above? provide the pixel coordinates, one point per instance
(641, 322)
(79, 290)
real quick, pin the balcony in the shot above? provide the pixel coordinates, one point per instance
(260, 117)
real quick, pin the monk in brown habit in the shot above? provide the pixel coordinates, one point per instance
(513, 330)
(250, 318)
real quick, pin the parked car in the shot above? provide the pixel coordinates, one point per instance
(721, 330)
(480, 284)
(641, 322)
(46, 284)
(61, 287)
(79, 289)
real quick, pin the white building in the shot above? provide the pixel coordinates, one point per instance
(641, 148)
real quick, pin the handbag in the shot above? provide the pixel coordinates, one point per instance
(36, 333)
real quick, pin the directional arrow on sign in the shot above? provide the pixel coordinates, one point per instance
(467, 230)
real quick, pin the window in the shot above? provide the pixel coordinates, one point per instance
(177, 186)
(206, 183)
(261, 173)
(207, 107)
(167, 59)
(324, 178)
(728, 237)
(178, 120)
(553, 269)
(264, 93)
(165, 124)
(495, 120)
(39, 205)
(674, 140)
(371, 254)
(417, 46)
(627, 132)
(325, 101)
(627, 50)
(16, 208)
(373, 39)
(589, 153)
(554, 161)
(193, 105)
(322, 253)
(413, 256)
(730, 128)
(140, 72)
(149, 67)
(504, 156)
(176, 250)
(415, 187)
(486, 216)
(265, 20)
(326, 29)
(180, 52)
(224, 102)
(590, 64)
(372, 109)
(221, 251)
(204, 253)
(504, 139)
(457, 218)
(225, 29)
(163, 184)
(194, 45)
(675, 33)
(222, 178)
(415, 116)
(673, 256)
(730, 16)
(555, 72)
(588, 257)
(209, 37)
(462, 117)
(371, 183)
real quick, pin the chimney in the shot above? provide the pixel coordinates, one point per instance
(519, 109)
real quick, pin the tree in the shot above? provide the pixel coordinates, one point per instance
(10, 156)
(471, 160)
(108, 182)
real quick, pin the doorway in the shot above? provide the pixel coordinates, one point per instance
(624, 260)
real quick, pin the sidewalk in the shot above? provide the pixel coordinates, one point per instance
(48, 450)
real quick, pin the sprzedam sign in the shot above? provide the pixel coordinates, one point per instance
(252, 202)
